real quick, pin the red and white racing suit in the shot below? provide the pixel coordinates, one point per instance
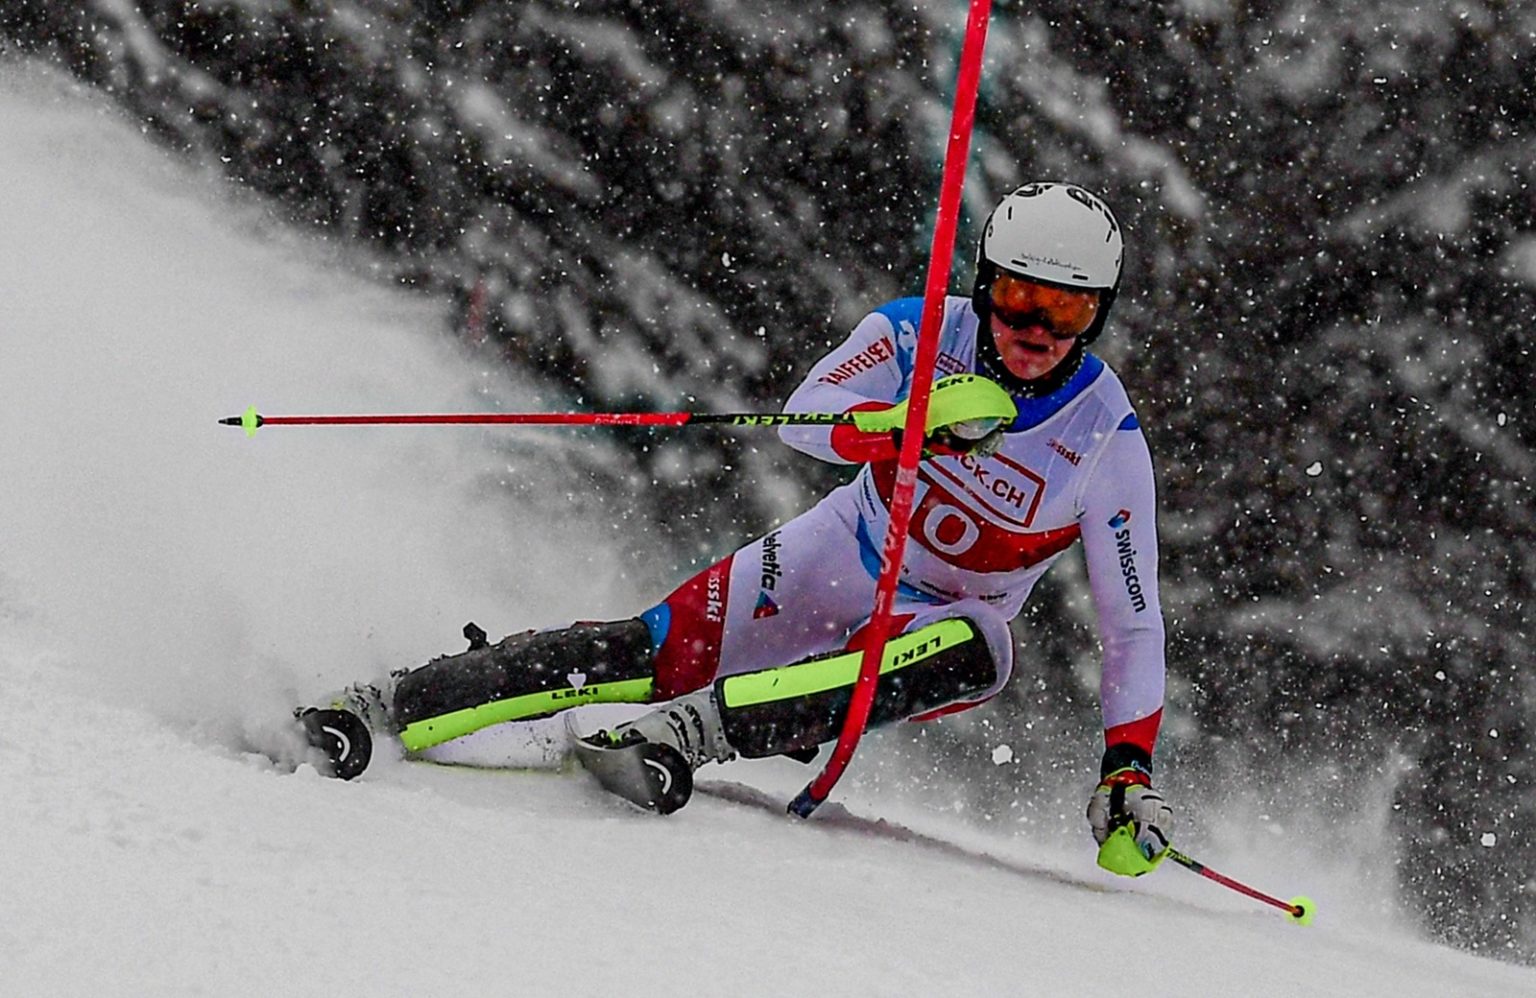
(1073, 466)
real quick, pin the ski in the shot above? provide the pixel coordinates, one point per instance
(650, 775)
(647, 774)
(342, 737)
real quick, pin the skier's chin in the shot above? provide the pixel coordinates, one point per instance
(1029, 362)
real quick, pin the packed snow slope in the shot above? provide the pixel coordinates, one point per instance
(169, 588)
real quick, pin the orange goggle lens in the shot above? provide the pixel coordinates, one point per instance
(1019, 302)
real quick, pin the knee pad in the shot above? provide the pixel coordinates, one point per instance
(796, 707)
(523, 677)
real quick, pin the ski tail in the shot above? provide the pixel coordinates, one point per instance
(342, 737)
(649, 775)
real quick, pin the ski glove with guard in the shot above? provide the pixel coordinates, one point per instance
(1131, 822)
(967, 414)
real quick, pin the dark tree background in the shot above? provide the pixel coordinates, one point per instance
(1332, 256)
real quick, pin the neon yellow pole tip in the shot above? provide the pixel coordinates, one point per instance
(1303, 909)
(249, 419)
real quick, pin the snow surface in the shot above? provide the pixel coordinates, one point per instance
(168, 588)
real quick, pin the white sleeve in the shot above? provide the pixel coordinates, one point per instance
(1119, 531)
(863, 369)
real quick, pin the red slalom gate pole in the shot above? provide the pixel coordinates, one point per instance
(940, 256)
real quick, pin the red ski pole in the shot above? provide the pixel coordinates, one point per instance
(1299, 909)
(251, 420)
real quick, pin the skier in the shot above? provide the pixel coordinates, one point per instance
(1032, 445)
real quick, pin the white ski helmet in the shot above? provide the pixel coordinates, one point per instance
(1056, 234)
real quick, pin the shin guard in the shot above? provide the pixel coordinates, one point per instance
(796, 707)
(523, 677)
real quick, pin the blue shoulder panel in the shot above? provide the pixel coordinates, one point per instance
(1130, 422)
(903, 310)
(906, 317)
(1033, 412)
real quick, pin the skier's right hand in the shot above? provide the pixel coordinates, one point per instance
(967, 414)
(1130, 821)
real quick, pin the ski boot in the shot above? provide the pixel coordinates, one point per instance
(650, 761)
(343, 729)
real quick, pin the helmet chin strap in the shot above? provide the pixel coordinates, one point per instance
(990, 362)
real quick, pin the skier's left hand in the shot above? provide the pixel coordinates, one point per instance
(967, 414)
(1130, 821)
(981, 437)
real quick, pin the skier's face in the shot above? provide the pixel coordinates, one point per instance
(1034, 325)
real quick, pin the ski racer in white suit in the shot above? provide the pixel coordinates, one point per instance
(755, 655)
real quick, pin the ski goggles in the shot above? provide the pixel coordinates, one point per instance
(1019, 302)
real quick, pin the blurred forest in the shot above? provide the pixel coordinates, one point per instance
(1331, 274)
